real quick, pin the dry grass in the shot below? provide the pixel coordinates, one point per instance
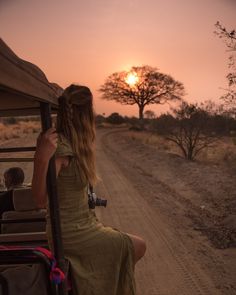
(17, 130)
(154, 140)
(109, 125)
(223, 151)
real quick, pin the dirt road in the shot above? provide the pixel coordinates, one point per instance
(169, 267)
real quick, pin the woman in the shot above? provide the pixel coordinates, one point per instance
(102, 259)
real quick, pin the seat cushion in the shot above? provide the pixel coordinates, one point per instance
(23, 199)
(24, 238)
(24, 227)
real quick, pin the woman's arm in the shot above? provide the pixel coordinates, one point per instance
(46, 147)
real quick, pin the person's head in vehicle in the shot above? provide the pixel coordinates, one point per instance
(75, 120)
(14, 177)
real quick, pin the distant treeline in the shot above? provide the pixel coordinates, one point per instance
(165, 124)
(210, 120)
(16, 120)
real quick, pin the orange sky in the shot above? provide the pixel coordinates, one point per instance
(85, 41)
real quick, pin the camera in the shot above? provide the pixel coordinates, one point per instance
(94, 201)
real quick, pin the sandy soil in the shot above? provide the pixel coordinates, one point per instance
(184, 211)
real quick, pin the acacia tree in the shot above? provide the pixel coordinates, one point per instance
(147, 86)
(229, 38)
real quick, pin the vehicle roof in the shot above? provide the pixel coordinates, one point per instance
(23, 85)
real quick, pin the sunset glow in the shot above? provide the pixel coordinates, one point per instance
(84, 42)
(132, 79)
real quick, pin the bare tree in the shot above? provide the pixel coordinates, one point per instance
(141, 86)
(190, 132)
(229, 38)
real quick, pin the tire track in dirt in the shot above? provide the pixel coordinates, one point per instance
(168, 268)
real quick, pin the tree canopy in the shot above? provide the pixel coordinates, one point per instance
(142, 86)
(229, 38)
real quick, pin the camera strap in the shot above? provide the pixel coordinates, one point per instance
(90, 188)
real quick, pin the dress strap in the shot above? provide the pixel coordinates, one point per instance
(63, 147)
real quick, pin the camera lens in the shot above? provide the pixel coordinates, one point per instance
(101, 202)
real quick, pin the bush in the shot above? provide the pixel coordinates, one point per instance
(115, 118)
(163, 124)
(99, 119)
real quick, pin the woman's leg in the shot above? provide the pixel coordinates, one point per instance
(139, 247)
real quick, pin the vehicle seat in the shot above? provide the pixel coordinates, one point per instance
(24, 279)
(25, 208)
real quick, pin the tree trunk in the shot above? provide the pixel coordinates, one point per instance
(141, 108)
(190, 153)
(141, 120)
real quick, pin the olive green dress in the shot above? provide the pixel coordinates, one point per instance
(101, 258)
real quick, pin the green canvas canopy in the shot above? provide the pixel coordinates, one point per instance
(23, 85)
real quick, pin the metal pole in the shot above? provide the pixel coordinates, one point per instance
(45, 110)
(17, 149)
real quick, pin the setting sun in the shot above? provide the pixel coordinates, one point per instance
(132, 79)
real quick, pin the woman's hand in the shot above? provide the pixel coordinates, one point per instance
(46, 144)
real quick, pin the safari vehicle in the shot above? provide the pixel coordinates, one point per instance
(24, 255)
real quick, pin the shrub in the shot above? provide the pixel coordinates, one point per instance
(115, 118)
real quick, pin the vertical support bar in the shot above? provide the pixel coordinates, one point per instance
(45, 110)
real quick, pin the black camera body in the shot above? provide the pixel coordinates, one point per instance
(94, 201)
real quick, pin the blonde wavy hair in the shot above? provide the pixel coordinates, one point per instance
(75, 120)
